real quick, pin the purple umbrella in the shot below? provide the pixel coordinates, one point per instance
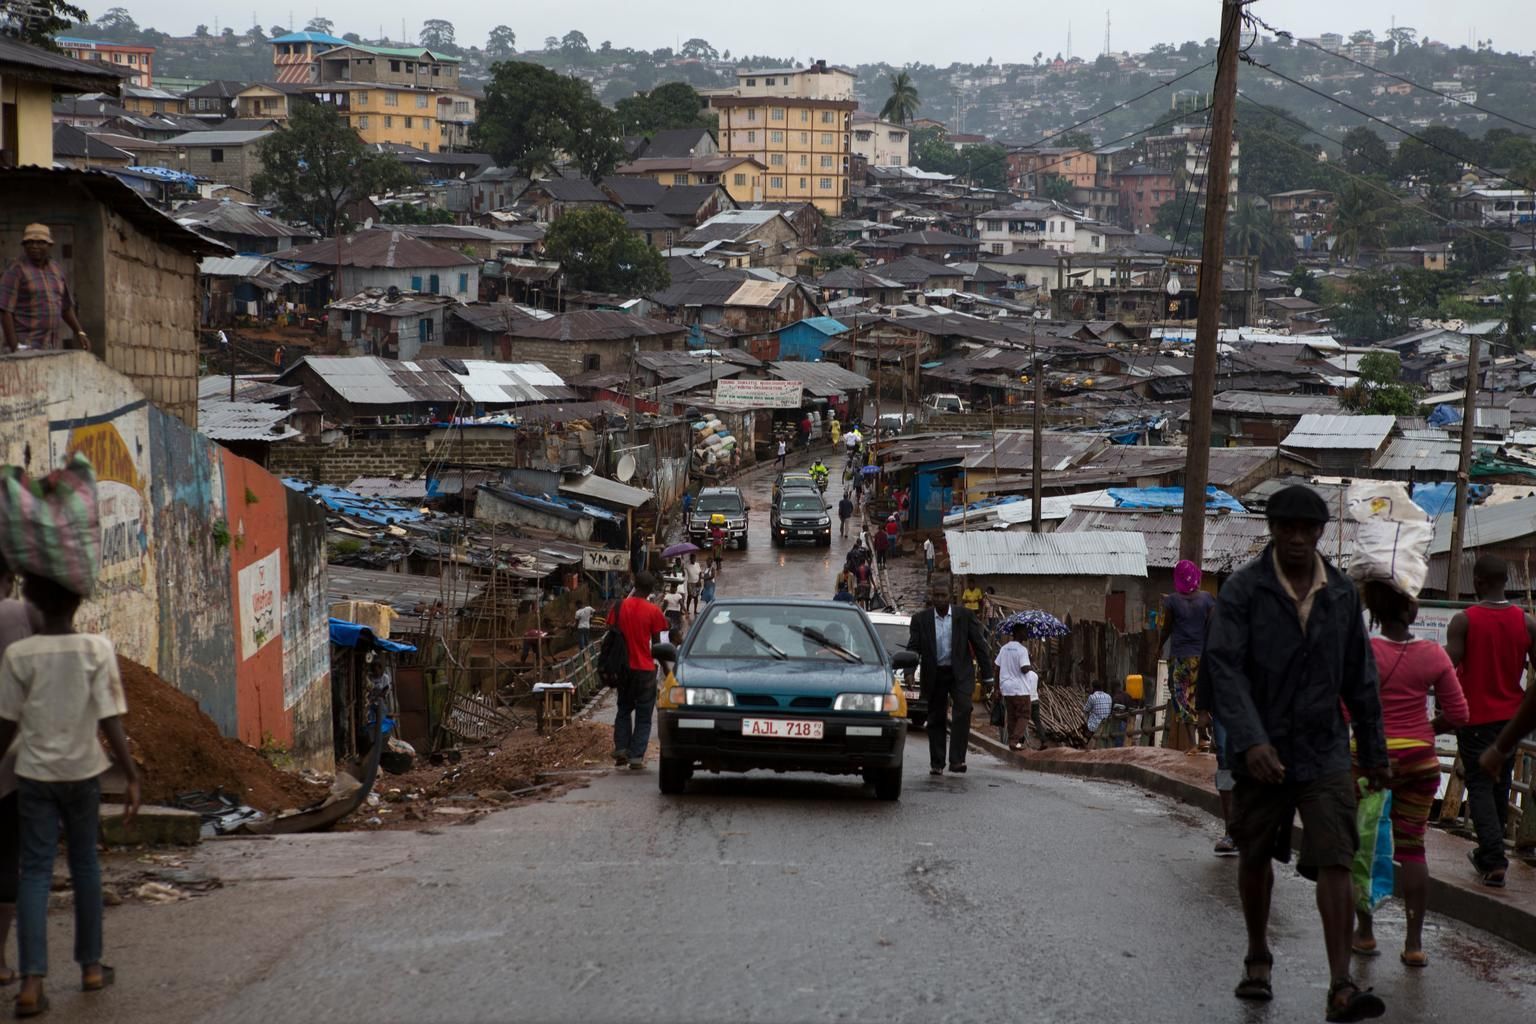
(679, 550)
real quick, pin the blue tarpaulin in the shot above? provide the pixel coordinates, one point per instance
(347, 634)
(1440, 499)
(1444, 416)
(1170, 497)
(354, 505)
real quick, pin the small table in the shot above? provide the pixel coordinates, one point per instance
(555, 707)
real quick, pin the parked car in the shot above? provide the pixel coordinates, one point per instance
(893, 629)
(946, 403)
(787, 685)
(727, 501)
(798, 514)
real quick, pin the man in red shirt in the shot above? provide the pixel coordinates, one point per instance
(641, 622)
(1490, 643)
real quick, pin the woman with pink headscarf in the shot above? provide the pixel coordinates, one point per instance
(1186, 616)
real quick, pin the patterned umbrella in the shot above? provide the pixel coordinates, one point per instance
(1038, 624)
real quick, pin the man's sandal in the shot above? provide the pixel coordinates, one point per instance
(1259, 990)
(1361, 1004)
(106, 977)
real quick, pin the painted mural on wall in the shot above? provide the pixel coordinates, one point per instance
(195, 551)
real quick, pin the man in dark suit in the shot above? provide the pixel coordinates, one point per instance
(947, 638)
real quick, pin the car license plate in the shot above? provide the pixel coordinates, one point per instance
(782, 729)
(913, 693)
(805, 533)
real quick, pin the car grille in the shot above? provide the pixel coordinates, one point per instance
(811, 702)
(756, 700)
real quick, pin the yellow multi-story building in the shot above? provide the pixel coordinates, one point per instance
(795, 122)
(741, 176)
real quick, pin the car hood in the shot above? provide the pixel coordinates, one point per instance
(800, 515)
(799, 677)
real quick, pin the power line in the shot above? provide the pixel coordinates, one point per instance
(1403, 131)
(1283, 34)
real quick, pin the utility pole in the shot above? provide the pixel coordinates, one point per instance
(1197, 467)
(634, 407)
(1463, 471)
(1034, 448)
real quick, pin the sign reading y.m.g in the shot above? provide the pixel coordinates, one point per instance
(602, 560)
(757, 394)
(261, 603)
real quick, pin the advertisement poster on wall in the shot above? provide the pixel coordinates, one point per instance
(261, 603)
(757, 394)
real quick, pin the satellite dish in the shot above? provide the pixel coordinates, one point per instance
(1297, 293)
(367, 223)
(1174, 287)
(626, 469)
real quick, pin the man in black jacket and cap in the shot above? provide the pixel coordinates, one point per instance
(1287, 644)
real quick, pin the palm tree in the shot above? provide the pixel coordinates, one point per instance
(1359, 221)
(1254, 231)
(904, 101)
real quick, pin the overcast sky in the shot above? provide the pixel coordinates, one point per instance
(897, 31)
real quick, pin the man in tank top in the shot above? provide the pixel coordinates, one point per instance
(1490, 643)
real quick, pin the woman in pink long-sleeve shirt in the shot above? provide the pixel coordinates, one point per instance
(1410, 671)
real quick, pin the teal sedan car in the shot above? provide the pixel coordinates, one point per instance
(783, 685)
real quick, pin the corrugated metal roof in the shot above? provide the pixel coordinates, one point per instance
(1059, 450)
(243, 421)
(757, 293)
(369, 380)
(993, 552)
(1339, 432)
(1053, 507)
(1231, 539)
(609, 492)
(1426, 456)
(1488, 524)
(1263, 403)
(233, 266)
(820, 379)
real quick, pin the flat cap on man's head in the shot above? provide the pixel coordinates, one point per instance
(1298, 504)
(37, 233)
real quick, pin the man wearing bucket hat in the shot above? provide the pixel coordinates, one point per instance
(1287, 644)
(35, 299)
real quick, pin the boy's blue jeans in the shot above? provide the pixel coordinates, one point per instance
(43, 806)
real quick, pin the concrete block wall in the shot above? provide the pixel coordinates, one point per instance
(151, 315)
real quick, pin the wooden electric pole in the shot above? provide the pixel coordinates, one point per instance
(1197, 467)
(1463, 471)
(1034, 447)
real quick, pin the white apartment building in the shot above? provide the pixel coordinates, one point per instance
(881, 143)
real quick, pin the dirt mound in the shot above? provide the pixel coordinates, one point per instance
(178, 748)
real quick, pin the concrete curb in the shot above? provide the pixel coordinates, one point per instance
(1486, 909)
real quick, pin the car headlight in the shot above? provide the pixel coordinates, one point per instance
(824, 521)
(705, 696)
(872, 702)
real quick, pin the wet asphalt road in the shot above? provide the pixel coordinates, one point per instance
(1001, 895)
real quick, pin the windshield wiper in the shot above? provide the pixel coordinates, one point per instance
(819, 638)
(755, 635)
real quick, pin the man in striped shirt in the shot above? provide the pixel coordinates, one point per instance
(34, 298)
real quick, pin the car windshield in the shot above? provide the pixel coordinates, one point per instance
(796, 632)
(893, 635)
(802, 503)
(718, 503)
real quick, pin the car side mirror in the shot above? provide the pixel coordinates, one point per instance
(664, 652)
(905, 660)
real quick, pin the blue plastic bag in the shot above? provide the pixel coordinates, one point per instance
(1372, 870)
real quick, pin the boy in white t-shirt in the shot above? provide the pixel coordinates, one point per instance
(57, 689)
(1019, 686)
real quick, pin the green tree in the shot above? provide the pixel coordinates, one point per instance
(201, 32)
(1364, 152)
(1276, 154)
(1437, 158)
(532, 115)
(117, 21)
(410, 213)
(598, 252)
(1306, 282)
(1252, 230)
(1373, 305)
(438, 34)
(1519, 329)
(1378, 391)
(1478, 252)
(1055, 187)
(323, 25)
(673, 105)
(501, 44)
(904, 102)
(38, 22)
(1359, 220)
(574, 44)
(314, 164)
(698, 49)
(1075, 140)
